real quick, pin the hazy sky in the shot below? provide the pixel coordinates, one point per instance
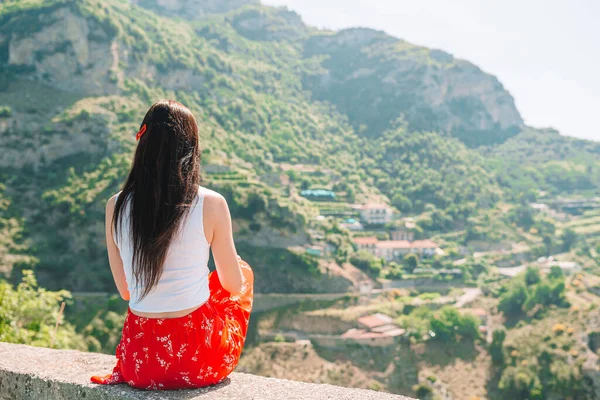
(545, 53)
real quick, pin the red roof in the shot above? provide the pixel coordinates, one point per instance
(405, 244)
(374, 320)
(365, 240)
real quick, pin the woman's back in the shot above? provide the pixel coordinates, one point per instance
(183, 283)
(185, 327)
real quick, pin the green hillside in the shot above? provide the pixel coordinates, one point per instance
(299, 128)
(282, 105)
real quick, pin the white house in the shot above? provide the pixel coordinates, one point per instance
(373, 213)
(396, 249)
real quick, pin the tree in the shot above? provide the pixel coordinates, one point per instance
(496, 348)
(366, 262)
(556, 272)
(522, 216)
(305, 184)
(532, 276)
(569, 237)
(511, 302)
(402, 203)
(449, 323)
(411, 261)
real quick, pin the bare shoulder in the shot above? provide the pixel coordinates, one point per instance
(214, 201)
(110, 204)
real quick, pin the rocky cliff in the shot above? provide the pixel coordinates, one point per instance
(268, 91)
(375, 79)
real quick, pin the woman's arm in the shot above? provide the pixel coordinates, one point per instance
(114, 257)
(217, 217)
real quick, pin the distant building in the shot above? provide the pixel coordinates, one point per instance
(318, 194)
(352, 225)
(567, 267)
(396, 249)
(374, 321)
(539, 207)
(366, 243)
(376, 214)
(320, 250)
(315, 250)
(450, 271)
(375, 339)
(376, 330)
(511, 272)
(404, 231)
(422, 271)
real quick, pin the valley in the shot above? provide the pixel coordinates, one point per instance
(367, 177)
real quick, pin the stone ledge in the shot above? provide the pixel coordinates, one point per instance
(28, 372)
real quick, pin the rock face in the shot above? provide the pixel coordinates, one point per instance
(71, 52)
(192, 9)
(375, 78)
(66, 50)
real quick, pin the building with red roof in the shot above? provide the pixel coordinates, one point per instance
(396, 249)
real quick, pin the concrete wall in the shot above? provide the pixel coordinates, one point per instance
(28, 372)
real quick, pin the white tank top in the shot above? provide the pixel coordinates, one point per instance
(184, 281)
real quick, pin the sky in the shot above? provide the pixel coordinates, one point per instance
(545, 53)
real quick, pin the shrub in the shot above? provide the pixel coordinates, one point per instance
(532, 276)
(5, 112)
(558, 329)
(422, 390)
(28, 315)
(411, 261)
(449, 323)
(521, 383)
(496, 347)
(366, 262)
(512, 301)
(279, 338)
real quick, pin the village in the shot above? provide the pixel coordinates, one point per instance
(435, 278)
(421, 268)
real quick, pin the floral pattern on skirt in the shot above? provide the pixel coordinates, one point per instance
(196, 350)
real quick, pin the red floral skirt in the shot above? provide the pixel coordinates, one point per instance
(196, 350)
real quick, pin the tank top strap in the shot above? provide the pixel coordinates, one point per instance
(200, 210)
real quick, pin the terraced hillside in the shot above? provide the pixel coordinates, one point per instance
(369, 115)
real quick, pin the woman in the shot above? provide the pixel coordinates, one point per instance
(185, 327)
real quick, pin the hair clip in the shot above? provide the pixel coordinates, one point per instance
(141, 132)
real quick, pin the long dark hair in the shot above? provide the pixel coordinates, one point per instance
(162, 185)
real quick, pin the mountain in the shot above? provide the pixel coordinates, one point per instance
(192, 9)
(374, 78)
(281, 106)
